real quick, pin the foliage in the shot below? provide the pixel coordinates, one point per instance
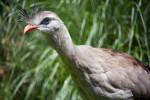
(30, 69)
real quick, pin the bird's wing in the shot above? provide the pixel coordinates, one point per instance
(137, 74)
(122, 70)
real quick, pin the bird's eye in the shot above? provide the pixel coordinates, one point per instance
(45, 21)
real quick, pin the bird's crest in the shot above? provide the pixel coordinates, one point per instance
(24, 16)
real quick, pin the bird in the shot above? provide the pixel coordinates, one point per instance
(98, 73)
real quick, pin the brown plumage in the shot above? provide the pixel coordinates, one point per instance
(114, 71)
(98, 73)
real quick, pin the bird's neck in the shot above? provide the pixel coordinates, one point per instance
(62, 43)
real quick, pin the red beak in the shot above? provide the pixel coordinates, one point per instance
(29, 27)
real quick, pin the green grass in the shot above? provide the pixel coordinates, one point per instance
(31, 70)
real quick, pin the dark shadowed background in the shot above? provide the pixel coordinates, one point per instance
(31, 70)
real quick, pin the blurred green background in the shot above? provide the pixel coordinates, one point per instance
(31, 70)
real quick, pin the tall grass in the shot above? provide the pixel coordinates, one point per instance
(30, 69)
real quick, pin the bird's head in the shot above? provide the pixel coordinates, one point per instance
(49, 24)
(45, 21)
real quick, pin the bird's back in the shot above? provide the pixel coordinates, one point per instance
(109, 74)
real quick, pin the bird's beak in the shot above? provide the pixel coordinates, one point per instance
(29, 27)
